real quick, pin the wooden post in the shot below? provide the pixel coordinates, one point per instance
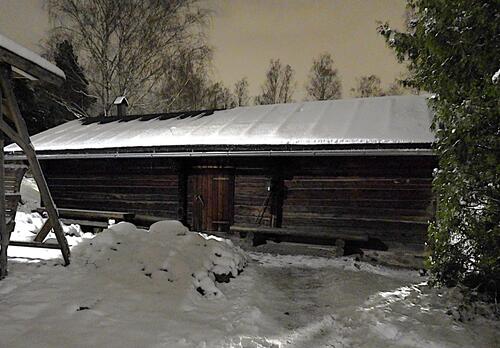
(25, 144)
(182, 193)
(277, 187)
(4, 234)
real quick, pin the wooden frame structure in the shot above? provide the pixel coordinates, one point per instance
(16, 59)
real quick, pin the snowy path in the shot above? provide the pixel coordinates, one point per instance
(284, 301)
(310, 302)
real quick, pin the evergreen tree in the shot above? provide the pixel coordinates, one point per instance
(33, 115)
(452, 48)
(73, 95)
(44, 106)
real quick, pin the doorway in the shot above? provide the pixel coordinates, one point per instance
(213, 202)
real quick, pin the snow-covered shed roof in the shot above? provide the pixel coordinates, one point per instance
(29, 62)
(120, 99)
(395, 121)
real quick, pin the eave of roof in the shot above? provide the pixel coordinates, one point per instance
(423, 149)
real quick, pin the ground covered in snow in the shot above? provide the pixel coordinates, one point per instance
(119, 294)
(168, 287)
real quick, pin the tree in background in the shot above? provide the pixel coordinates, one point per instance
(219, 97)
(241, 92)
(279, 85)
(324, 82)
(367, 86)
(26, 99)
(45, 106)
(71, 99)
(395, 88)
(185, 86)
(400, 87)
(452, 49)
(127, 46)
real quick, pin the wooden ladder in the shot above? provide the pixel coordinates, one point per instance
(15, 128)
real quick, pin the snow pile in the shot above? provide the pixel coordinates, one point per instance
(166, 258)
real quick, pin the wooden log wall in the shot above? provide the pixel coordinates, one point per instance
(389, 198)
(250, 196)
(141, 186)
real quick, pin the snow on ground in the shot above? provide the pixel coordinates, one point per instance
(129, 287)
(133, 288)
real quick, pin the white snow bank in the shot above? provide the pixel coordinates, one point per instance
(167, 257)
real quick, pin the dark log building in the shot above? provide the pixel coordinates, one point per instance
(345, 167)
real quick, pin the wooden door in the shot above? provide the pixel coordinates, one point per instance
(213, 196)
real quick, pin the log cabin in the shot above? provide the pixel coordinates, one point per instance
(356, 169)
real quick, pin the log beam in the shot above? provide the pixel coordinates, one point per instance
(28, 66)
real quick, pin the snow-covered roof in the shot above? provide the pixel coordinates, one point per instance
(381, 120)
(30, 56)
(121, 99)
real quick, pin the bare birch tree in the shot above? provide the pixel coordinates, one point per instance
(241, 92)
(368, 86)
(219, 97)
(279, 85)
(185, 85)
(126, 46)
(324, 82)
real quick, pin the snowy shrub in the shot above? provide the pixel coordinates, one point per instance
(452, 48)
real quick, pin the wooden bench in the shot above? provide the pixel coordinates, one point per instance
(14, 174)
(96, 219)
(261, 233)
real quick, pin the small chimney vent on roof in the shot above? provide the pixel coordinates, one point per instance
(121, 105)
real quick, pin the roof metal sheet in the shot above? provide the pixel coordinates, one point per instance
(380, 120)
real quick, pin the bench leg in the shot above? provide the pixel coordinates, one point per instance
(339, 247)
(44, 231)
